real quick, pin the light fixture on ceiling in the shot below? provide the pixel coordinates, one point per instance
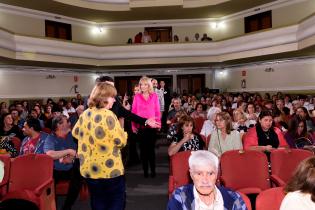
(217, 25)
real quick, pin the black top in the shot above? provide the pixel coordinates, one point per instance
(120, 111)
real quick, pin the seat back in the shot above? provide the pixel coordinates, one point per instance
(198, 124)
(285, 161)
(6, 174)
(17, 143)
(270, 199)
(179, 174)
(246, 200)
(27, 172)
(206, 140)
(245, 171)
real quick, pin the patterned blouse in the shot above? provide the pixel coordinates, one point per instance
(100, 138)
(193, 144)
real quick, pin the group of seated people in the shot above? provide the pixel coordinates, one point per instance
(239, 122)
(55, 140)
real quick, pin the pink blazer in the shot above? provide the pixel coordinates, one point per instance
(149, 108)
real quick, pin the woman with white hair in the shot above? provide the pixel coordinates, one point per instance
(203, 193)
(208, 126)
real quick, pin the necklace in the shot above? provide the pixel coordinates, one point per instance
(267, 134)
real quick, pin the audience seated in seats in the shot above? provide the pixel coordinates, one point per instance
(22, 110)
(17, 120)
(7, 146)
(34, 140)
(240, 122)
(185, 138)
(199, 112)
(172, 131)
(209, 126)
(3, 108)
(205, 38)
(38, 109)
(47, 118)
(175, 38)
(264, 136)
(74, 117)
(34, 114)
(279, 122)
(146, 38)
(203, 193)
(250, 114)
(138, 38)
(7, 127)
(62, 148)
(69, 109)
(301, 188)
(196, 37)
(297, 130)
(171, 114)
(224, 138)
(303, 113)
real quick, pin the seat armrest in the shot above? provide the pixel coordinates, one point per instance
(277, 180)
(39, 190)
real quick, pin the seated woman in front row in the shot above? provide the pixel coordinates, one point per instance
(185, 139)
(264, 136)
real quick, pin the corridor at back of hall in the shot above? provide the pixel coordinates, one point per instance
(142, 193)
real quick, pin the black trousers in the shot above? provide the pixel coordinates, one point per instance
(147, 138)
(73, 175)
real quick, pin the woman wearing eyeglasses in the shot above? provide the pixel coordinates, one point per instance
(224, 138)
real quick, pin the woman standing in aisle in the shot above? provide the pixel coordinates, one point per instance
(146, 105)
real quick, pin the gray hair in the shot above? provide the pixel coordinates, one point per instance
(203, 158)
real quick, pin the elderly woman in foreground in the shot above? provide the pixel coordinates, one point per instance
(203, 193)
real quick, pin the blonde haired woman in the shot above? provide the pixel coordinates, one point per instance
(100, 138)
(146, 105)
(224, 138)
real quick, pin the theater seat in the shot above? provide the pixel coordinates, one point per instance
(245, 171)
(270, 199)
(284, 162)
(5, 180)
(31, 178)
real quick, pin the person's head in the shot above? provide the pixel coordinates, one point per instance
(60, 124)
(186, 124)
(102, 96)
(15, 114)
(136, 89)
(197, 36)
(34, 114)
(154, 83)
(19, 107)
(3, 105)
(250, 109)
(297, 127)
(212, 113)
(302, 112)
(179, 114)
(37, 108)
(56, 111)
(203, 168)
(265, 119)
(48, 109)
(239, 116)
(280, 104)
(186, 39)
(162, 84)
(176, 103)
(176, 39)
(199, 107)
(145, 85)
(31, 126)
(304, 178)
(268, 104)
(79, 109)
(105, 79)
(7, 119)
(223, 121)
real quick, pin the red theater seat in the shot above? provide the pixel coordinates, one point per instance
(5, 181)
(270, 199)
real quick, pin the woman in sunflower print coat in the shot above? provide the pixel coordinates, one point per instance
(100, 138)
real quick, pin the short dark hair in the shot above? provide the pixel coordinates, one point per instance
(104, 79)
(57, 120)
(34, 123)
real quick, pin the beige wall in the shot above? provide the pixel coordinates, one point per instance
(284, 16)
(31, 85)
(289, 76)
(22, 25)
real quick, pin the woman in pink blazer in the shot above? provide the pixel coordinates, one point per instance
(146, 104)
